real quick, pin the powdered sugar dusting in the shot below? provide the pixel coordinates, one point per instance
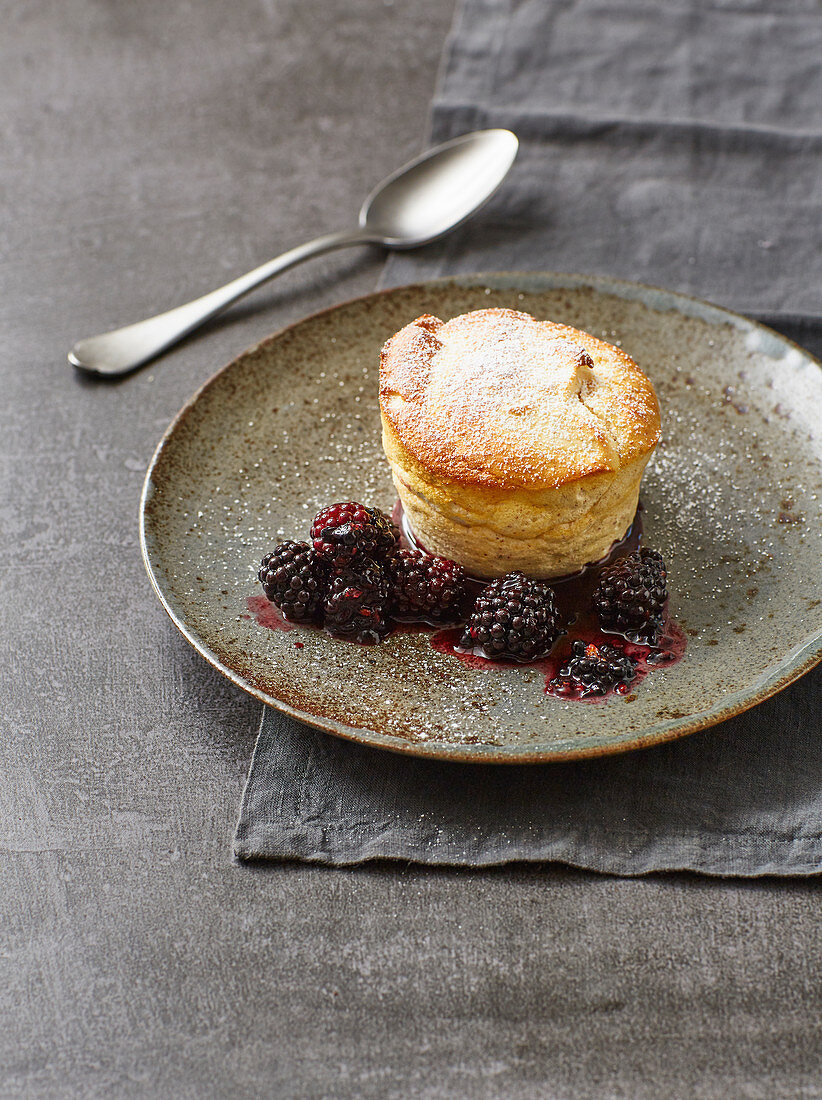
(498, 398)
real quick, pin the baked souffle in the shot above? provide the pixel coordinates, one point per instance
(515, 444)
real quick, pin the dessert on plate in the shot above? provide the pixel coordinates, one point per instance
(515, 444)
(517, 447)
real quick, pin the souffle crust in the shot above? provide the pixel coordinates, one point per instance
(515, 443)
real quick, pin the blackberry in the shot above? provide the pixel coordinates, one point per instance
(513, 617)
(594, 670)
(357, 602)
(631, 594)
(294, 579)
(343, 532)
(424, 587)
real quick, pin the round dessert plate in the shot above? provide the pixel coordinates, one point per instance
(732, 497)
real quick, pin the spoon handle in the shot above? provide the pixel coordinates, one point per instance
(122, 350)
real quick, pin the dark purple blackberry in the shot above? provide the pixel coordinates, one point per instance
(631, 595)
(513, 617)
(425, 587)
(343, 532)
(594, 670)
(357, 602)
(294, 579)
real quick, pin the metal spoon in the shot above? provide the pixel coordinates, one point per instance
(423, 200)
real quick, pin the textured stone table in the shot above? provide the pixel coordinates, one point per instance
(151, 151)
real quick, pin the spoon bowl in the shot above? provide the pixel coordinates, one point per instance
(439, 190)
(421, 201)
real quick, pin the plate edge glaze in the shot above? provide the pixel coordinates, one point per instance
(803, 658)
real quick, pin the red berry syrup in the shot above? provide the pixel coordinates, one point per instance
(266, 614)
(668, 648)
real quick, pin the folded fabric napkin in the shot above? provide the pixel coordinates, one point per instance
(742, 799)
(676, 144)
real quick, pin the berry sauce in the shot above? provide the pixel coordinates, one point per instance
(266, 614)
(667, 650)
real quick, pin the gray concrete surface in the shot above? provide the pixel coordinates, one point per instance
(149, 152)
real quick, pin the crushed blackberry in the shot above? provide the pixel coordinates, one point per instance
(631, 595)
(594, 670)
(343, 532)
(357, 602)
(294, 579)
(425, 587)
(513, 617)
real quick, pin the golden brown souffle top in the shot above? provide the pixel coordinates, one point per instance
(499, 399)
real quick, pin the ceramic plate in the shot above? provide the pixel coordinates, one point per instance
(733, 499)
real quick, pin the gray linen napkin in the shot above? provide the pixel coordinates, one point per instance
(743, 799)
(677, 144)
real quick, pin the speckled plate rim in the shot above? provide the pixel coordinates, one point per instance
(800, 660)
